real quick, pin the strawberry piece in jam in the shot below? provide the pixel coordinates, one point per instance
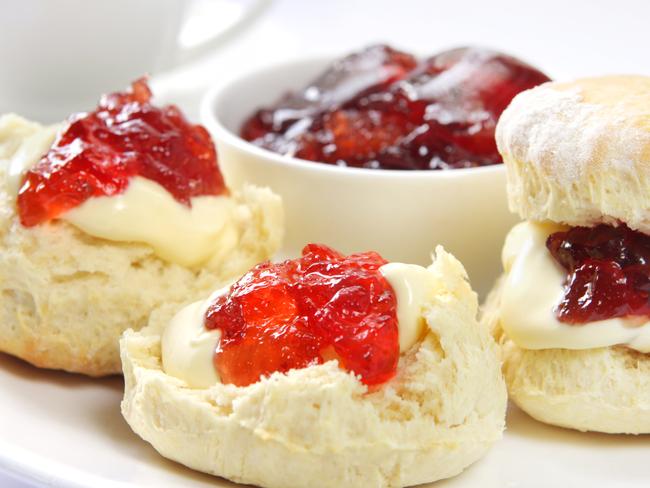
(608, 272)
(438, 114)
(101, 151)
(306, 311)
(368, 71)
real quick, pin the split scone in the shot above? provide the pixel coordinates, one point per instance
(323, 371)
(108, 216)
(572, 310)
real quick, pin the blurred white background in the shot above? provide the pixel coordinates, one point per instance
(564, 38)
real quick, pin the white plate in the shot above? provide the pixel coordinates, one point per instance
(65, 430)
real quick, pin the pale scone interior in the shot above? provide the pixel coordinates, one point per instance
(320, 426)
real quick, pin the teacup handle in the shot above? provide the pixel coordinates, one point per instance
(187, 54)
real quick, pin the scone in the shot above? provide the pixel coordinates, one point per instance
(107, 217)
(323, 371)
(572, 310)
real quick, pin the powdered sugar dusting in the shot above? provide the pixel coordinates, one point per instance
(564, 136)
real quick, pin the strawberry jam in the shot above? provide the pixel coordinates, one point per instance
(608, 272)
(99, 152)
(369, 71)
(378, 108)
(307, 311)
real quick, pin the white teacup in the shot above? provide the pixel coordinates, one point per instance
(57, 57)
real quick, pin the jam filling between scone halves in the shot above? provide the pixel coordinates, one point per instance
(382, 108)
(306, 311)
(100, 151)
(608, 272)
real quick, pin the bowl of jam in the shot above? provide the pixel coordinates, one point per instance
(378, 149)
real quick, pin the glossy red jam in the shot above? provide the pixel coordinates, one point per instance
(608, 272)
(306, 311)
(100, 151)
(379, 108)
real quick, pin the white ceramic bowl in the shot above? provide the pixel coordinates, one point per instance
(401, 214)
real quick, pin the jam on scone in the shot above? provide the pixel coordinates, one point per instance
(100, 151)
(608, 272)
(306, 311)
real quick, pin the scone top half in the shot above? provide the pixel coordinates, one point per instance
(578, 153)
(385, 377)
(572, 307)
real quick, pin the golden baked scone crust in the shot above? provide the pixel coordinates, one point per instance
(604, 390)
(66, 297)
(579, 152)
(318, 427)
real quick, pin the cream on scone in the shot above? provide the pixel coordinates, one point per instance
(72, 284)
(572, 310)
(322, 425)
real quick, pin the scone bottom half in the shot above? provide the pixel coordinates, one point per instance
(333, 419)
(109, 215)
(571, 311)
